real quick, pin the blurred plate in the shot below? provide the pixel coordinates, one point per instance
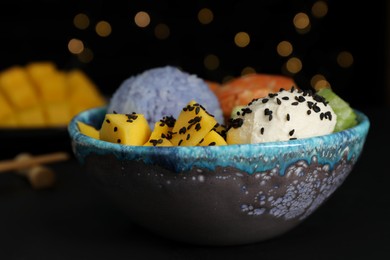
(33, 140)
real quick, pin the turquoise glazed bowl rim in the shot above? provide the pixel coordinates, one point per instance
(183, 158)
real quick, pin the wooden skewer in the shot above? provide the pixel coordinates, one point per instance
(8, 165)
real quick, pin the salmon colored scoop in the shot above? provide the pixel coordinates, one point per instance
(242, 90)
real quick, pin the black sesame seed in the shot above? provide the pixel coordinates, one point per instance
(288, 117)
(316, 108)
(278, 101)
(118, 141)
(181, 140)
(308, 112)
(262, 130)
(285, 98)
(108, 121)
(197, 110)
(264, 100)
(300, 99)
(188, 137)
(322, 115)
(267, 112)
(295, 103)
(212, 143)
(291, 132)
(182, 130)
(237, 122)
(115, 129)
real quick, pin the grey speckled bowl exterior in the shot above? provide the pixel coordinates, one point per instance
(220, 195)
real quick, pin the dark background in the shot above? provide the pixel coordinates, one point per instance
(41, 30)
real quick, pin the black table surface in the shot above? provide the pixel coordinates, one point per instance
(72, 220)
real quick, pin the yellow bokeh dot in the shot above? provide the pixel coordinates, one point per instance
(205, 16)
(294, 65)
(211, 62)
(86, 56)
(319, 9)
(315, 79)
(345, 59)
(242, 39)
(301, 21)
(103, 28)
(142, 19)
(322, 83)
(75, 46)
(248, 70)
(162, 31)
(284, 48)
(81, 21)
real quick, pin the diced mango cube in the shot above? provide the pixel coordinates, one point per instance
(160, 135)
(88, 130)
(127, 129)
(212, 138)
(17, 87)
(193, 124)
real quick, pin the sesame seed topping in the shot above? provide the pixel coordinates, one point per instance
(212, 144)
(262, 130)
(237, 122)
(115, 129)
(118, 141)
(291, 132)
(288, 117)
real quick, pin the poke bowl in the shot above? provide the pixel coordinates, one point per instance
(219, 195)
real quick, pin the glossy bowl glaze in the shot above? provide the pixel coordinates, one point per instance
(219, 195)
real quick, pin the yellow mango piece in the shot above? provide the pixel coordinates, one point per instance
(9, 122)
(52, 87)
(88, 130)
(5, 107)
(159, 135)
(193, 124)
(17, 87)
(220, 129)
(212, 138)
(57, 113)
(31, 117)
(37, 69)
(84, 93)
(126, 129)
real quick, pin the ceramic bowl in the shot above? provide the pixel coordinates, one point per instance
(219, 195)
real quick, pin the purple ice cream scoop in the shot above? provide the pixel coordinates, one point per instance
(163, 91)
